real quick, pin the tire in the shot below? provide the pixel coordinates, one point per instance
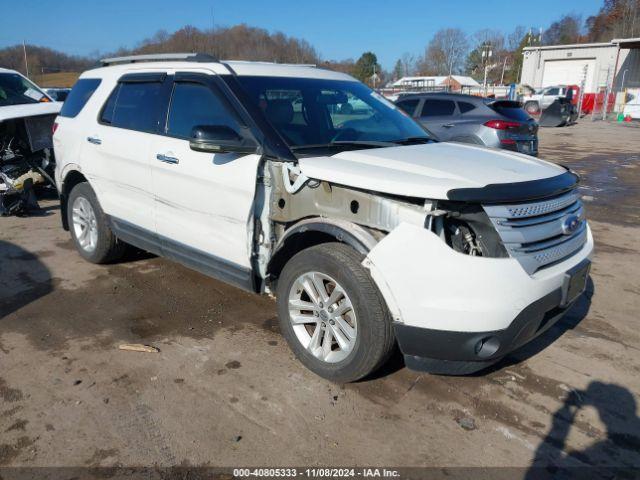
(98, 244)
(532, 108)
(362, 308)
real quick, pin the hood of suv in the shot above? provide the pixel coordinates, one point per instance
(29, 110)
(427, 171)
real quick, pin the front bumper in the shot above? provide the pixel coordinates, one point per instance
(456, 314)
(460, 353)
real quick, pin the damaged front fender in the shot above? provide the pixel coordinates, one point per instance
(26, 160)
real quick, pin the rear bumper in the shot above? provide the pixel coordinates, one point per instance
(528, 147)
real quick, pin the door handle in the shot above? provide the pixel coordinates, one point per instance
(94, 140)
(449, 125)
(167, 159)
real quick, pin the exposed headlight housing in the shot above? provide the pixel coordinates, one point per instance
(467, 229)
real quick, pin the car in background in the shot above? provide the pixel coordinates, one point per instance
(58, 94)
(27, 115)
(454, 117)
(543, 98)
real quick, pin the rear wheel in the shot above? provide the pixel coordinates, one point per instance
(332, 314)
(532, 108)
(90, 231)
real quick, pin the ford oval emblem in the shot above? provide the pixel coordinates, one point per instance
(570, 224)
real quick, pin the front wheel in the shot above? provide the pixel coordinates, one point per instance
(332, 314)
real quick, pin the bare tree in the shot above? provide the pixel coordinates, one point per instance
(408, 63)
(515, 38)
(445, 53)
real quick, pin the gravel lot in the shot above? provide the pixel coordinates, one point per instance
(225, 390)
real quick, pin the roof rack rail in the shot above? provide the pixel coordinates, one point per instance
(262, 62)
(159, 57)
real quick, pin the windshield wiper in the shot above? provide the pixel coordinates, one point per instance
(413, 140)
(347, 143)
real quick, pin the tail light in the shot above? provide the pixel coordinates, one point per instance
(502, 124)
(54, 127)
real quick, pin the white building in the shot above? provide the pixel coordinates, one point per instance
(595, 64)
(457, 82)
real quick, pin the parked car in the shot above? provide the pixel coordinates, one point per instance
(543, 98)
(57, 93)
(470, 119)
(368, 232)
(26, 150)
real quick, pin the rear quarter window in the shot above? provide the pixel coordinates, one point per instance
(79, 96)
(466, 107)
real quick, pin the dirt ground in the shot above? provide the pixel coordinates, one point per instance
(225, 390)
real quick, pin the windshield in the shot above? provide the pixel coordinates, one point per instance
(315, 113)
(17, 90)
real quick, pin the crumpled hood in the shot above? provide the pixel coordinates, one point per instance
(29, 110)
(427, 171)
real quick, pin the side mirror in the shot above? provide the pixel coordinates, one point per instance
(219, 139)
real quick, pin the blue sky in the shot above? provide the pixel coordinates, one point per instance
(338, 29)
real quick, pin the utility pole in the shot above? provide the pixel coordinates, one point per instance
(487, 53)
(373, 78)
(26, 62)
(504, 66)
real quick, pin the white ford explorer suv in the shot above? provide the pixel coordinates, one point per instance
(366, 230)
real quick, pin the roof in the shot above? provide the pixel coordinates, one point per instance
(622, 42)
(573, 45)
(627, 42)
(456, 96)
(465, 81)
(437, 80)
(7, 70)
(222, 68)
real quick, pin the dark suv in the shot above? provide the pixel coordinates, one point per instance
(481, 121)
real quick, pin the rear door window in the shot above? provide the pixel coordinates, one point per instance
(437, 108)
(409, 106)
(195, 104)
(79, 96)
(134, 106)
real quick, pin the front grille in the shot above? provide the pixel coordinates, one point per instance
(535, 233)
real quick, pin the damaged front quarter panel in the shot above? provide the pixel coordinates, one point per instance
(314, 211)
(313, 198)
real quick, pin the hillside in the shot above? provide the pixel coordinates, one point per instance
(60, 79)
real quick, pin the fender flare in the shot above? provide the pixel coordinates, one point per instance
(66, 172)
(343, 231)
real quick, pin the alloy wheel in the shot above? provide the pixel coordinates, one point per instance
(85, 225)
(322, 317)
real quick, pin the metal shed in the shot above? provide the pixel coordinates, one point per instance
(614, 64)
